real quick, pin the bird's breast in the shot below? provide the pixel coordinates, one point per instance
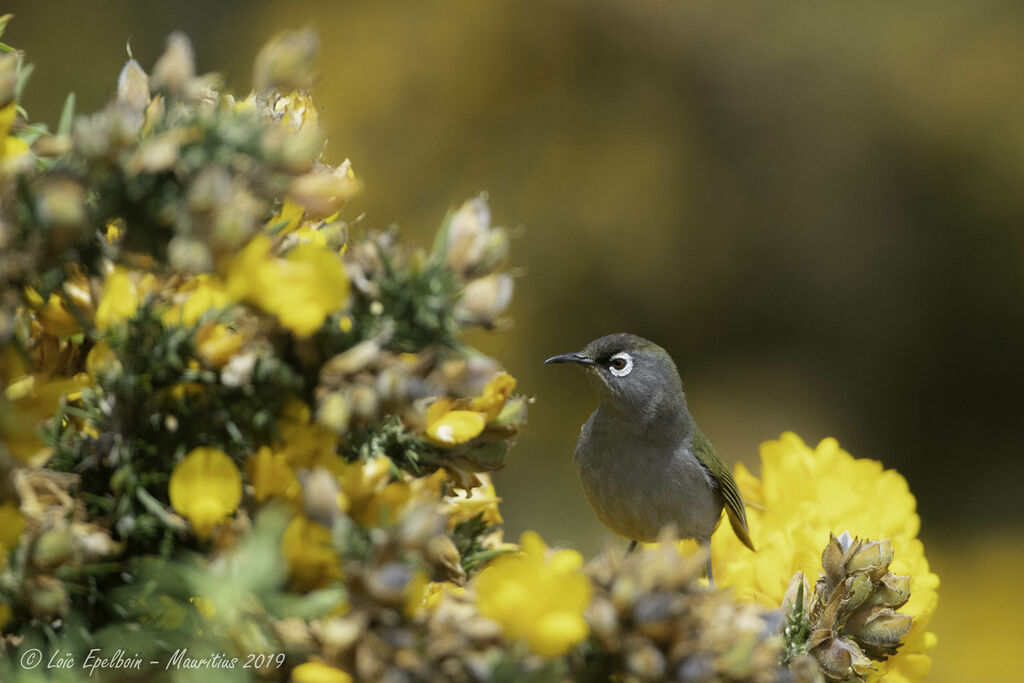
(639, 485)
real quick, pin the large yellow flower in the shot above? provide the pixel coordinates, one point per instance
(301, 289)
(802, 496)
(205, 488)
(536, 596)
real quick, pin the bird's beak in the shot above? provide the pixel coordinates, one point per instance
(578, 358)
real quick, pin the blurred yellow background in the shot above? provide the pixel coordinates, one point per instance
(816, 209)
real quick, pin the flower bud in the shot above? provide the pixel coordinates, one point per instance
(176, 66)
(387, 584)
(883, 628)
(52, 548)
(647, 662)
(210, 189)
(334, 412)
(286, 61)
(8, 78)
(61, 203)
(840, 658)
(47, 598)
(485, 299)
(133, 89)
(320, 496)
(324, 191)
(873, 557)
(189, 254)
(856, 590)
(891, 591)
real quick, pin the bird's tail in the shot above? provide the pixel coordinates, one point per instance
(739, 527)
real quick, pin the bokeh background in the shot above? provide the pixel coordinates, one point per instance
(817, 209)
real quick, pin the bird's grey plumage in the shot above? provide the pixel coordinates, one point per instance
(643, 461)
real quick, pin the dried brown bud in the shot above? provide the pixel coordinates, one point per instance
(873, 557)
(840, 658)
(880, 628)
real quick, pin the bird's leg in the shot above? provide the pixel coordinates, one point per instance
(632, 547)
(707, 548)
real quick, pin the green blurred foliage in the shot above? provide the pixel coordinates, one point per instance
(814, 208)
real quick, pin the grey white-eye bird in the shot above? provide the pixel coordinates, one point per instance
(643, 461)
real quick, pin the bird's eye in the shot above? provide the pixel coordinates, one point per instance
(621, 364)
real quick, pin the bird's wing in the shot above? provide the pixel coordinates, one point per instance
(734, 506)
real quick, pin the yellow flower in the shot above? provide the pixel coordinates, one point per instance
(318, 672)
(323, 190)
(305, 444)
(27, 401)
(290, 213)
(206, 488)
(465, 505)
(12, 149)
(119, 301)
(271, 476)
(447, 427)
(802, 496)
(12, 523)
(311, 556)
(55, 314)
(215, 344)
(301, 289)
(203, 293)
(493, 398)
(296, 112)
(536, 596)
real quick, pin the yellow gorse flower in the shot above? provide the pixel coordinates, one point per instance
(206, 488)
(215, 344)
(464, 505)
(271, 476)
(803, 495)
(12, 148)
(201, 294)
(537, 596)
(301, 289)
(447, 427)
(493, 398)
(312, 559)
(318, 672)
(119, 301)
(450, 423)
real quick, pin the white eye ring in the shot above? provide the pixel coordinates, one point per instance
(625, 369)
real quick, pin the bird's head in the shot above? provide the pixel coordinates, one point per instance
(632, 375)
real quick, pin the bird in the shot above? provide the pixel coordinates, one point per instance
(642, 460)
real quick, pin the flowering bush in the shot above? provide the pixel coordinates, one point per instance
(234, 421)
